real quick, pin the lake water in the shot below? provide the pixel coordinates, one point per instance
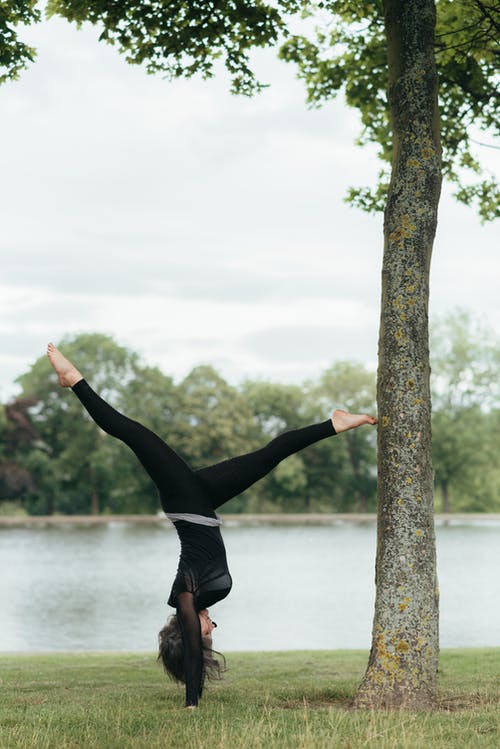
(105, 587)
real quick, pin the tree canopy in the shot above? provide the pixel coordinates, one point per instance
(466, 400)
(49, 465)
(337, 46)
(15, 55)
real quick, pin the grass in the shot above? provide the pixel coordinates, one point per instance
(270, 701)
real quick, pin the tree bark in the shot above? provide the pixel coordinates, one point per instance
(402, 668)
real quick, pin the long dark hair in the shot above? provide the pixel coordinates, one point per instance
(171, 653)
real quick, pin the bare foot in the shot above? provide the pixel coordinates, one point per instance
(342, 420)
(67, 374)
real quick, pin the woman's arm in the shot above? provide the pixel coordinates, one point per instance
(189, 623)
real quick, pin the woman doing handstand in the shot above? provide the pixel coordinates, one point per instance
(189, 498)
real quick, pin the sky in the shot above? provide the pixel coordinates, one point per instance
(198, 227)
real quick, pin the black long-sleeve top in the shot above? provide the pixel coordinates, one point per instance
(202, 579)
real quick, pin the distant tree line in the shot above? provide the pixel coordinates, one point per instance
(54, 459)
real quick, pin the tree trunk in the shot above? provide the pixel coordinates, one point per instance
(94, 502)
(446, 497)
(94, 494)
(363, 503)
(402, 668)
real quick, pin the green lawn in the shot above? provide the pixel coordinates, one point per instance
(274, 700)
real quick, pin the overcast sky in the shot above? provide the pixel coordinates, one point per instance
(197, 227)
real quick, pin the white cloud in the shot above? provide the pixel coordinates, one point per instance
(195, 226)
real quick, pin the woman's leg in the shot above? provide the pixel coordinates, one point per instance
(231, 477)
(152, 451)
(180, 489)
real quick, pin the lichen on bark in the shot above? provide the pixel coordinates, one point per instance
(402, 668)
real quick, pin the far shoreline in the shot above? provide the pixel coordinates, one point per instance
(230, 519)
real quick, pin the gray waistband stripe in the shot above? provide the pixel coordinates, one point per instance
(191, 518)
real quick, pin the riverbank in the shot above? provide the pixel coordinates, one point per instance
(271, 700)
(18, 521)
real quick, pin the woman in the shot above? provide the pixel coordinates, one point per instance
(189, 498)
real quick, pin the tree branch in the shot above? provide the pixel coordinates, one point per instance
(485, 145)
(486, 13)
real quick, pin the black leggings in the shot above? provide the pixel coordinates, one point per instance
(181, 488)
